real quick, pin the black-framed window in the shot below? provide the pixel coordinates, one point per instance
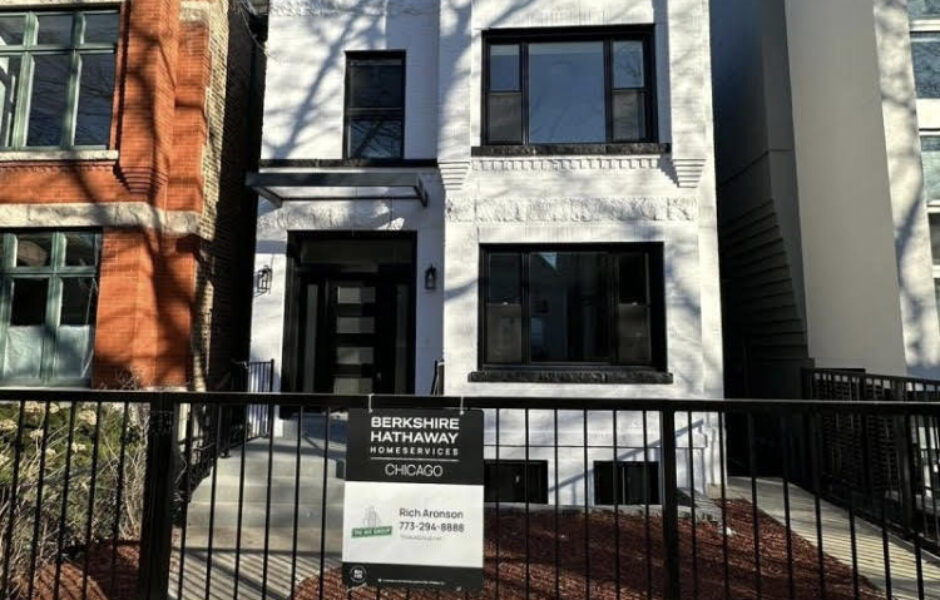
(568, 87)
(57, 78)
(573, 306)
(375, 105)
(633, 482)
(48, 306)
(505, 481)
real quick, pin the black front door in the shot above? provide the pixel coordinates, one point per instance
(358, 335)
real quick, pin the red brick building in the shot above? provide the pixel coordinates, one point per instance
(125, 132)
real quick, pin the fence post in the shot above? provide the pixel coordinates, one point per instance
(157, 528)
(667, 436)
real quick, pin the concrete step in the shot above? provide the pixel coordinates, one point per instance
(280, 539)
(227, 489)
(256, 514)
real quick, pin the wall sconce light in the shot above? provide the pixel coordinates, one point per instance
(430, 278)
(263, 280)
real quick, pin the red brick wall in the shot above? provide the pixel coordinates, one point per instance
(148, 295)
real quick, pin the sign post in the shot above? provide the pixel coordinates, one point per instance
(413, 507)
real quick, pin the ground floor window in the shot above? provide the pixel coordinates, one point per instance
(516, 481)
(573, 306)
(48, 303)
(629, 482)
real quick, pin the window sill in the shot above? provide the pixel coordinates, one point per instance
(598, 376)
(639, 148)
(54, 155)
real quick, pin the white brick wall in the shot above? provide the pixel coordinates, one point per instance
(577, 199)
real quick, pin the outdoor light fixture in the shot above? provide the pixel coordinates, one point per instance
(263, 280)
(430, 278)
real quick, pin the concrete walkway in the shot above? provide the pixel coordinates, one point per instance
(258, 578)
(837, 539)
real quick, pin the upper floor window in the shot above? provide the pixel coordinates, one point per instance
(553, 88)
(48, 305)
(56, 78)
(375, 105)
(919, 9)
(574, 306)
(925, 48)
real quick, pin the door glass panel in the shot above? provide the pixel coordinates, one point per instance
(355, 325)
(355, 356)
(402, 327)
(309, 369)
(355, 295)
(352, 385)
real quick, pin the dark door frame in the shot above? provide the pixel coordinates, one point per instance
(299, 275)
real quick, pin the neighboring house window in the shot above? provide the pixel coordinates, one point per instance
(48, 301)
(512, 480)
(635, 482)
(56, 79)
(375, 105)
(930, 158)
(552, 88)
(925, 47)
(558, 306)
(923, 8)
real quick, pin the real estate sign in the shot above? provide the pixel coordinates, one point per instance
(413, 508)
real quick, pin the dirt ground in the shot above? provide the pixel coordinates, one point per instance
(543, 579)
(110, 579)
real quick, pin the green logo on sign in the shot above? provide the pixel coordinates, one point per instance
(360, 532)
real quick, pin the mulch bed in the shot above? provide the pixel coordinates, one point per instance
(110, 577)
(543, 580)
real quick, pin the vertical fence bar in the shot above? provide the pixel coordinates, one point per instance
(587, 516)
(66, 474)
(755, 515)
(496, 476)
(557, 487)
(267, 505)
(617, 488)
(39, 488)
(646, 509)
(724, 503)
(816, 459)
(157, 528)
(14, 497)
(908, 478)
(187, 496)
(246, 411)
(525, 487)
(785, 443)
(119, 495)
(91, 497)
(671, 588)
(689, 425)
(293, 555)
(323, 499)
(216, 449)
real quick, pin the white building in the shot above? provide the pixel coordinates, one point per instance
(523, 189)
(827, 118)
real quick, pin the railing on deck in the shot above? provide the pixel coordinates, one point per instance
(96, 513)
(884, 463)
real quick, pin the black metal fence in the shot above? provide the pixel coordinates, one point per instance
(587, 498)
(896, 461)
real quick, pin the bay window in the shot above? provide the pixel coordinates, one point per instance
(568, 88)
(57, 79)
(565, 306)
(48, 303)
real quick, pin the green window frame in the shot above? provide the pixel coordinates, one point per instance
(48, 343)
(84, 48)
